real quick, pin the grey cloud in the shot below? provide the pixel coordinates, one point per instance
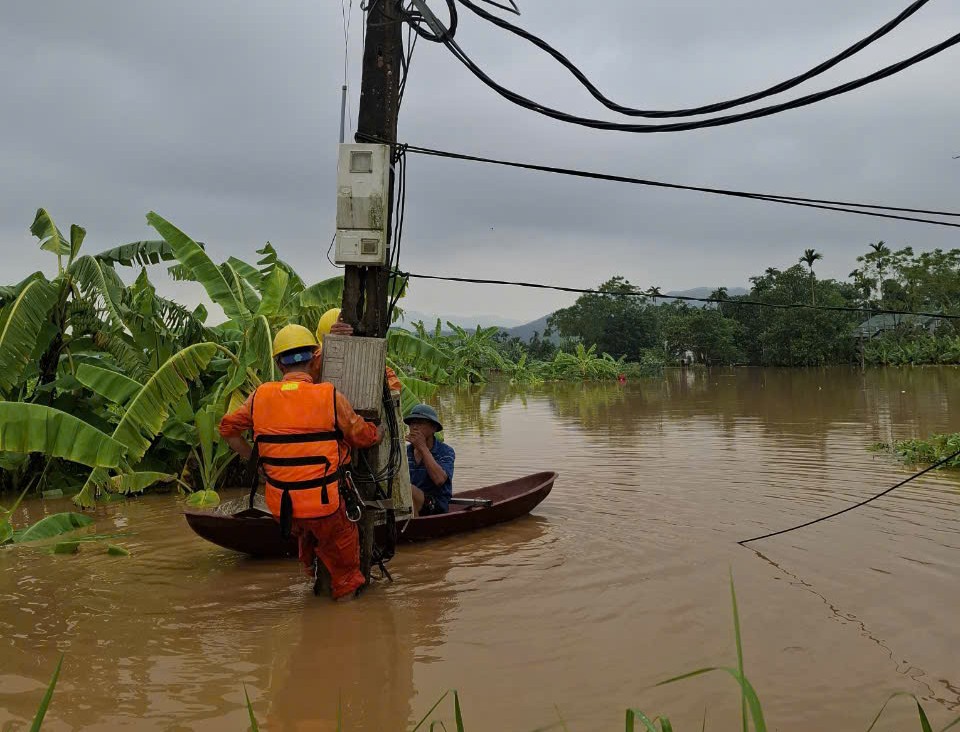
(224, 118)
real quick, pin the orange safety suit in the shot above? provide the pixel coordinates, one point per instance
(303, 432)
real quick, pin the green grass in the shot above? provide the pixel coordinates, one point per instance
(636, 720)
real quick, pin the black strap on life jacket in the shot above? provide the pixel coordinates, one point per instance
(285, 486)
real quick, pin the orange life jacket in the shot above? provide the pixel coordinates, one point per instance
(298, 444)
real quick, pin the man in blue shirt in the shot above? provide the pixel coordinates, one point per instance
(431, 463)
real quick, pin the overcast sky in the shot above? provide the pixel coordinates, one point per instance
(224, 118)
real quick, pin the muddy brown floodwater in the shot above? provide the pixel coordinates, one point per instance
(619, 580)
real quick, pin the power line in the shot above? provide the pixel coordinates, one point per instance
(708, 108)
(937, 464)
(446, 38)
(817, 203)
(654, 294)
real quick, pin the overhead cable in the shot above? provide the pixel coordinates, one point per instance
(655, 294)
(707, 108)
(723, 120)
(870, 209)
(936, 465)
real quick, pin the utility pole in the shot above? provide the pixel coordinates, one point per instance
(365, 288)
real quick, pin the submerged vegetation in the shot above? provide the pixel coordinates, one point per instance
(924, 452)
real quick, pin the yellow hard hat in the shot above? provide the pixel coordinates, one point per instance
(326, 323)
(292, 338)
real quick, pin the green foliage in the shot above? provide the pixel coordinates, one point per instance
(203, 499)
(201, 268)
(52, 526)
(621, 324)
(924, 452)
(23, 321)
(26, 428)
(712, 338)
(111, 385)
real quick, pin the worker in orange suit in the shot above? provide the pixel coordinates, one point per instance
(303, 431)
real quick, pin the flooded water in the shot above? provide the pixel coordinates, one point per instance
(619, 580)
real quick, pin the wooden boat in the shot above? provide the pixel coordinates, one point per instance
(255, 532)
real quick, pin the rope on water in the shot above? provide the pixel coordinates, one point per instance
(936, 465)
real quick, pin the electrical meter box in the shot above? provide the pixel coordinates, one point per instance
(363, 185)
(359, 246)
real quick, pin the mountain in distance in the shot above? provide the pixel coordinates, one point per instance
(706, 292)
(469, 322)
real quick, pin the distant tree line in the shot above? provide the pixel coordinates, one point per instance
(646, 327)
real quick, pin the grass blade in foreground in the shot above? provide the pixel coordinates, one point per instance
(736, 632)
(635, 714)
(253, 720)
(430, 711)
(44, 705)
(456, 711)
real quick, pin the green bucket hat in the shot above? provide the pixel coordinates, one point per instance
(424, 411)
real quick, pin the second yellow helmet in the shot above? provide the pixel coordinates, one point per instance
(326, 323)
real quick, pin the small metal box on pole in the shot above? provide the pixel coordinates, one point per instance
(355, 366)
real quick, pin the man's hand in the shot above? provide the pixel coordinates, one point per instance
(416, 439)
(419, 445)
(240, 446)
(341, 328)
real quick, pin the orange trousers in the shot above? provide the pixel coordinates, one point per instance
(335, 541)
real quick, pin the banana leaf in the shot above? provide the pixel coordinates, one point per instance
(77, 235)
(51, 240)
(243, 289)
(10, 292)
(405, 348)
(196, 260)
(51, 526)
(127, 483)
(203, 499)
(322, 296)
(258, 349)
(124, 352)
(250, 273)
(95, 276)
(24, 321)
(112, 386)
(271, 261)
(273, 290)
(139, 252)
(36, 428)
(153, 404)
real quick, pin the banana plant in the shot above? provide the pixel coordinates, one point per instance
(143, 417)
(212, 458)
